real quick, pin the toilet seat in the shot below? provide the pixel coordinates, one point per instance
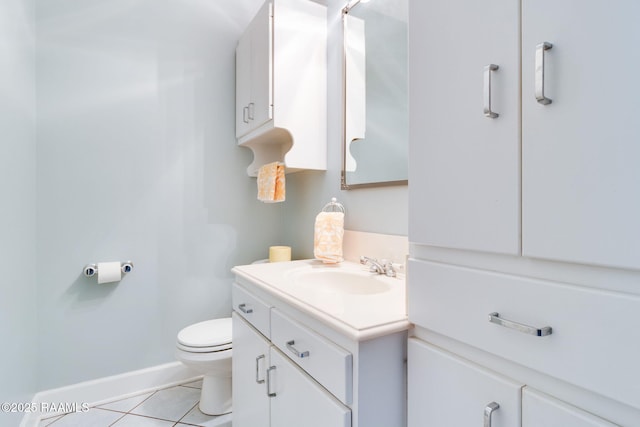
(206, 337)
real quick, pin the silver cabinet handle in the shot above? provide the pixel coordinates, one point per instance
(252, 110)
(539, 74)
(245, 114)
(269, 393)
(243, 308)
(487, 90)
(539, 332)
(488, 411)
(258, 380)
(292, 349)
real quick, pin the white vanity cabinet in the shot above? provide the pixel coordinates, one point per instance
(317, 372)
(281, 85)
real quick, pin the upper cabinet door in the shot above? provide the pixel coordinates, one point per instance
(581, 152)
(464, 165)
(260, 105)
(254, 71)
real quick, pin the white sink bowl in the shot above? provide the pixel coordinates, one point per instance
(341, 281)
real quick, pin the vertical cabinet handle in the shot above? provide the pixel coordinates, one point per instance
(269, 393)
(252, 110)
(258, 380)
(539, 72)
(488, 411)
(487, 90)
(243, 308)
(245, 114)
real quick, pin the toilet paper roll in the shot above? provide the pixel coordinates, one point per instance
(279, 253)
(109, 272)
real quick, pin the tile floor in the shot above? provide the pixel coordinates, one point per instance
(174, 406)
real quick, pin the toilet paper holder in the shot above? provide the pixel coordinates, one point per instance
(90, 270)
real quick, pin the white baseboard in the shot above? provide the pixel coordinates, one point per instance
(104, 390)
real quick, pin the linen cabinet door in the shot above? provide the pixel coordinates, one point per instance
(298, 400)
(541, 410)
(464, 163)
(581, 150)
(445, 390)
(249, 368)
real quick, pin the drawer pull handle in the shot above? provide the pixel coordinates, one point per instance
(539, 332)
(258, 380)
(292, 349)
(269, 393)
(488, 411)
(243, 308)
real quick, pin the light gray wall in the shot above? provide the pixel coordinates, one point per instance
(378, 210)
(137, 160)
(18, 325)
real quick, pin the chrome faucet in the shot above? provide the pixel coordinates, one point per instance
(380, 267)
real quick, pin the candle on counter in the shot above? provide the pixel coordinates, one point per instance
(279, 253)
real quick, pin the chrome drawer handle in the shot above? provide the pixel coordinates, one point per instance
(243, 308)
(269, 393)
(293, 350)
(487, 90)
(245, 113)
(539, 72)
(539, 332)
(488, 411)
(258, 380)
(252, 108)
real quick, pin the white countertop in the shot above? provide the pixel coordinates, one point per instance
(314, 287)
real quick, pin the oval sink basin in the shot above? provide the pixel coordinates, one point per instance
(340, 281)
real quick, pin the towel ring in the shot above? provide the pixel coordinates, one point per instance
(333, 206)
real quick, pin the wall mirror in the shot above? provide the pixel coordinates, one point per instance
(375, 84)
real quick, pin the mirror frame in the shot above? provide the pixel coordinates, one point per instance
(345, 144)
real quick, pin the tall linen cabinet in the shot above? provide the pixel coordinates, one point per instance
(524, 200)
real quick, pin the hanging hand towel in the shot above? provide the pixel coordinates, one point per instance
(327, 240)
(271, 184)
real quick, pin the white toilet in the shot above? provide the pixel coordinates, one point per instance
(206, 348)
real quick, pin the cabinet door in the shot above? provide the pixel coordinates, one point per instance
(243, 84)
(464, 167)
(254, 71)
(541, 410)
(445, 390)
(260, 105)
(250, 362)
(581, 151)
(299, 400)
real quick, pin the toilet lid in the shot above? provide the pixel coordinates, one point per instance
(210, 333)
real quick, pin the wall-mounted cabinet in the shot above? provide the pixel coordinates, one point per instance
(281, 86)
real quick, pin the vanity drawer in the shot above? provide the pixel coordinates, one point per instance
(594, 341)
(328, 363)
(253, 309)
